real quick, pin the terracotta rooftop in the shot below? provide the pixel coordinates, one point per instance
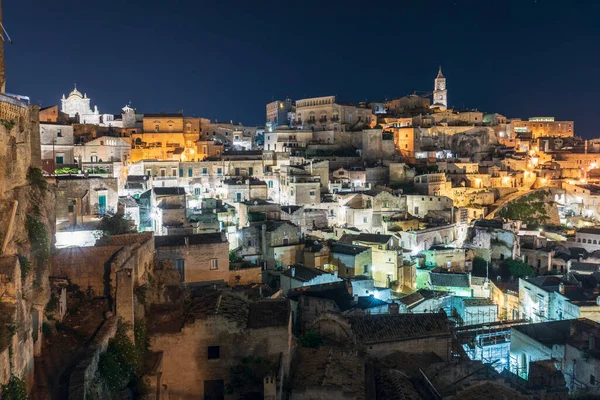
(387, 328)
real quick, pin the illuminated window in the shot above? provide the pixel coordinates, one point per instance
(214, 263)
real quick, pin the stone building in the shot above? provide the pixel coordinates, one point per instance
(459, 284)
(214, 333)
(103, 149)
(278, 111)
(198, 258)
(351, 260)
(166, 137)
(272, 244)
(77, 105)
(542, 127)
(325, 113)
(80, 201)
(57, 145)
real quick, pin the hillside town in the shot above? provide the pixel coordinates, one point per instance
(392, 249)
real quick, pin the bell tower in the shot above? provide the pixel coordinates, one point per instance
(440, 93)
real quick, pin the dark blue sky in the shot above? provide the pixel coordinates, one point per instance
(227, 59)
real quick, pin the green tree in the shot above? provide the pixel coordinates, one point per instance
(516, 269)
(14, 390)
(479, 267)
(311, 339)
(246, 378)
(116, 224)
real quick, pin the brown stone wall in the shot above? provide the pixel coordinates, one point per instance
(189, 348)
(439, 345)
(246, 276)
(85, 266)
(197, 261)
(82, 377)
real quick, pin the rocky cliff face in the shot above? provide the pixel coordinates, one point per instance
(26, 232)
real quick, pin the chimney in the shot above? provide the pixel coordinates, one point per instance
(355, 299)
(561, 288)
(394, 308)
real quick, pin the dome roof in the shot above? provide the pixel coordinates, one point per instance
(75, 92)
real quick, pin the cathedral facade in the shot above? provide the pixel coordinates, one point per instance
(78, 105)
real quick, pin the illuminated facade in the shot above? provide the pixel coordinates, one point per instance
(166, 137)
(440, 93)
(542, 127)
(324, 113)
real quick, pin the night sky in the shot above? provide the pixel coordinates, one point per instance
(227, 59)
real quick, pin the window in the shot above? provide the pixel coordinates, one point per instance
(72, 205)
(190, 173)
(270, 184)
(219, 171)
(311, 193)
(204, 171)
(238, 196)
(148, 172)
(102, 143)
(380, 247)
(286, 241)
(197, 191)
(366, 269)
(181, 172)
(250, 171)
(214, 352)
(250, 243)
(214, 263)
(365, 220)
(58, 133)
(180, 266)
(174, 172)
(156, 128)
(237, 172)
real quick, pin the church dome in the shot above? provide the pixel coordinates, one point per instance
(75, 92)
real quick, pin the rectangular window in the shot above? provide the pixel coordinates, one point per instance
(238, 196)
(219, 171)
(237, 172)
(366, 269)
(214, 352)
(190, 173)
(197, 191)
(365, 220)
(214, 263)
(312, 193)
(173, 171)
(250, 171)
(270, 184)
(148, 172)
(181, 172)
(180, 266)
(204, 171)
(58, 133)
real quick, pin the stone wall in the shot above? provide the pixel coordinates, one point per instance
(189, 348)
(88, 267)
(246, 276)
(84, 374)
